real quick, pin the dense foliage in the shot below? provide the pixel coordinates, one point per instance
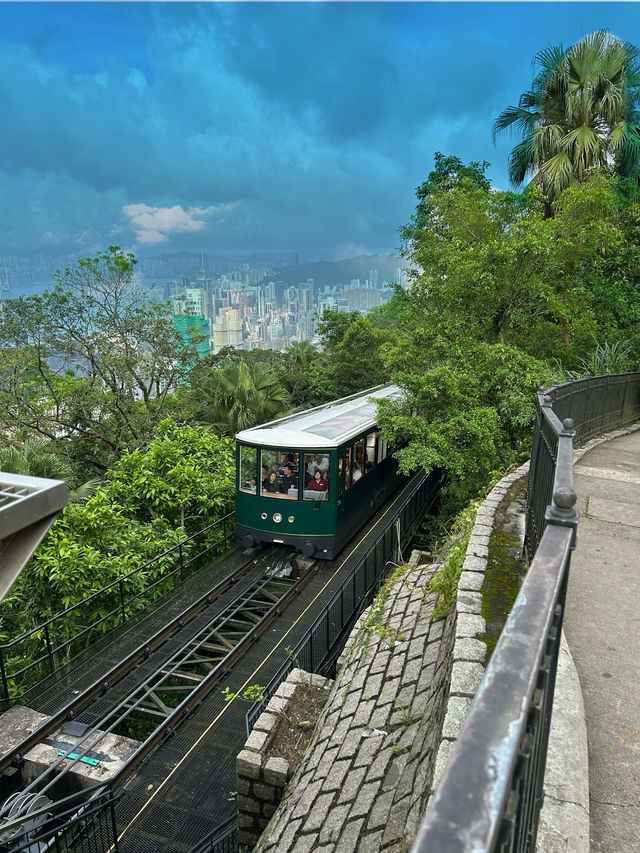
(149, 501)
(503, 299)
(580, 112)
(91, 364)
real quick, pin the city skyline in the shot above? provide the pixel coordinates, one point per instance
(254, 127)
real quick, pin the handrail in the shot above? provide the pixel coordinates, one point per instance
(490, 794)
(119, 610)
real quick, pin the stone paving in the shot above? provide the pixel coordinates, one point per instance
(602, 625)
(364, 780)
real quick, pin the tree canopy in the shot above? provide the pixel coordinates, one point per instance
(580, 112)
(92, 360)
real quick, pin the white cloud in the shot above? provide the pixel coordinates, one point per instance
(156, 224)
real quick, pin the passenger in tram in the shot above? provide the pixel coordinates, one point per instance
(289, 480)
(323, 464)
(319, 483)
(273, 483)
(357, 473)
(292, 462)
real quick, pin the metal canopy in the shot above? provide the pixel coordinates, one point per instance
(28, 508)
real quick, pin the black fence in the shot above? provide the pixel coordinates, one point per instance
(323, 641)
(595, 405)
(491, 792)
(74, 824)
(47, 648)
(224, 839)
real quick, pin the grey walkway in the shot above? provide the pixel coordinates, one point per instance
(602, 626)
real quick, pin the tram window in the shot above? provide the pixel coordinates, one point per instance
(370, 459)
(382, 449)
(358, 460)
(340, 475)
(248, 473)
(280, 474)
(316, 476)
(347, 468)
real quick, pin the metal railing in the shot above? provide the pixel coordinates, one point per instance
(595, 405)
(223, 840)
(491, 792)
(321, 644)
(53, 644)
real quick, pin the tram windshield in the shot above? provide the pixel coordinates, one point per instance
(280, 474)
(316, 476)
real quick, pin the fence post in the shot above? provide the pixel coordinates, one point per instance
(562, 509)
(122, 607)
(3, 675)
(224, 529)
(49, 651)
(180, 560)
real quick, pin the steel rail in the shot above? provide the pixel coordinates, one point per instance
(132, 702)
(80, 702)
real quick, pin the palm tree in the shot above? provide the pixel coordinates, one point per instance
(243, 397)
(301, 353)
(37, 459)
(580, 112)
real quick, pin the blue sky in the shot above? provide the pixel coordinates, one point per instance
(240, 127)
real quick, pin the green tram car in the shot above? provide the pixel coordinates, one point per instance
(312, 479)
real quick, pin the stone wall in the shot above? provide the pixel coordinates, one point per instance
(404, 687)
(363, 781)
(470, 652)
(261, 778)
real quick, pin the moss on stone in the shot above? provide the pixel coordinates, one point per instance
(505, 564)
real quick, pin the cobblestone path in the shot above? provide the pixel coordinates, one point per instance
(364, 781)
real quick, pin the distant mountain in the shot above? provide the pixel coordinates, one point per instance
(334, 272)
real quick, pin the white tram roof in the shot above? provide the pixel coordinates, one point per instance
(326, 426)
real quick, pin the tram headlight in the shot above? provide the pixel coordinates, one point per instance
(277, 517)
(291, 519)
(264, 516)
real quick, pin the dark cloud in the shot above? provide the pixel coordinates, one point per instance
(300, 126)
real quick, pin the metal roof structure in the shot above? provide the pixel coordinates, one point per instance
(28, 508)
(324, 427)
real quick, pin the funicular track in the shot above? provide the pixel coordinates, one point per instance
(172, 798)
(163, 679)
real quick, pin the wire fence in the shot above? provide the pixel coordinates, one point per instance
(50, 646)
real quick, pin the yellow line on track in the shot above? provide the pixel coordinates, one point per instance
(261, 664)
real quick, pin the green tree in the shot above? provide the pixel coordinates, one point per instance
(294, 370)
(332, 326)
(502, 299)
(91, 360)
(186, 477)
(357, 361)
(147, 503)
(579, 112)
(239, 397)
(37, 458)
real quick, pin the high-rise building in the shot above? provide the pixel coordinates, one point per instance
(194, 327)
(227, 330)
